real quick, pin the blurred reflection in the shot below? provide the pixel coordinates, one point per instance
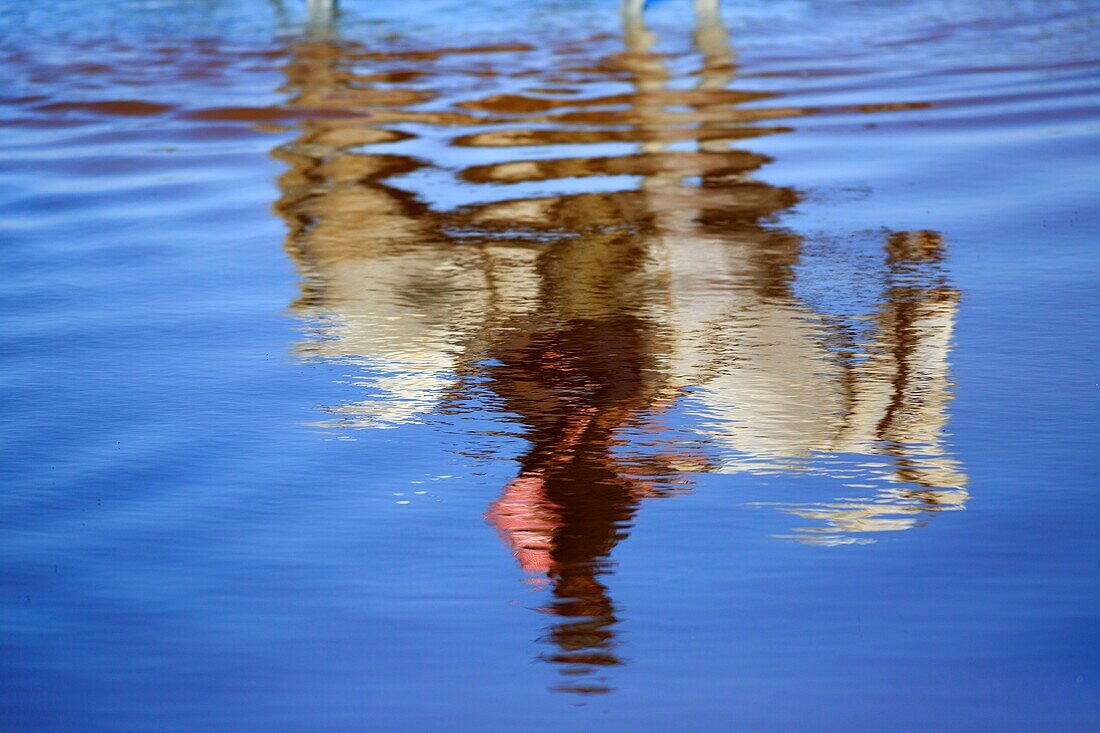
(637, 334)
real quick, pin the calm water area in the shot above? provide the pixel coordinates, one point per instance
(485, 366)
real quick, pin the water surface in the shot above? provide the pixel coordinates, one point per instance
(499, 366)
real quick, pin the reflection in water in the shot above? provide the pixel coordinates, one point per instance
(637, 314)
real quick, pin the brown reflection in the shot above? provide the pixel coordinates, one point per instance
(592, 315)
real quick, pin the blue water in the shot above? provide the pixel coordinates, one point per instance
(311, 427)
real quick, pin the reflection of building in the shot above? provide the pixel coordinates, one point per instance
(591, 313)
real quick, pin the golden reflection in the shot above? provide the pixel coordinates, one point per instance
(663, 306)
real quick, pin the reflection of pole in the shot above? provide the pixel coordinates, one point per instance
(649, 75)
(713, 41)
(632, 10)
(321, 15)
(703, 8)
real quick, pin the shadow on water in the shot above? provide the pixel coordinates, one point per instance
(633, 310)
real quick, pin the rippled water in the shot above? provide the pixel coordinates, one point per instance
(485, 365)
